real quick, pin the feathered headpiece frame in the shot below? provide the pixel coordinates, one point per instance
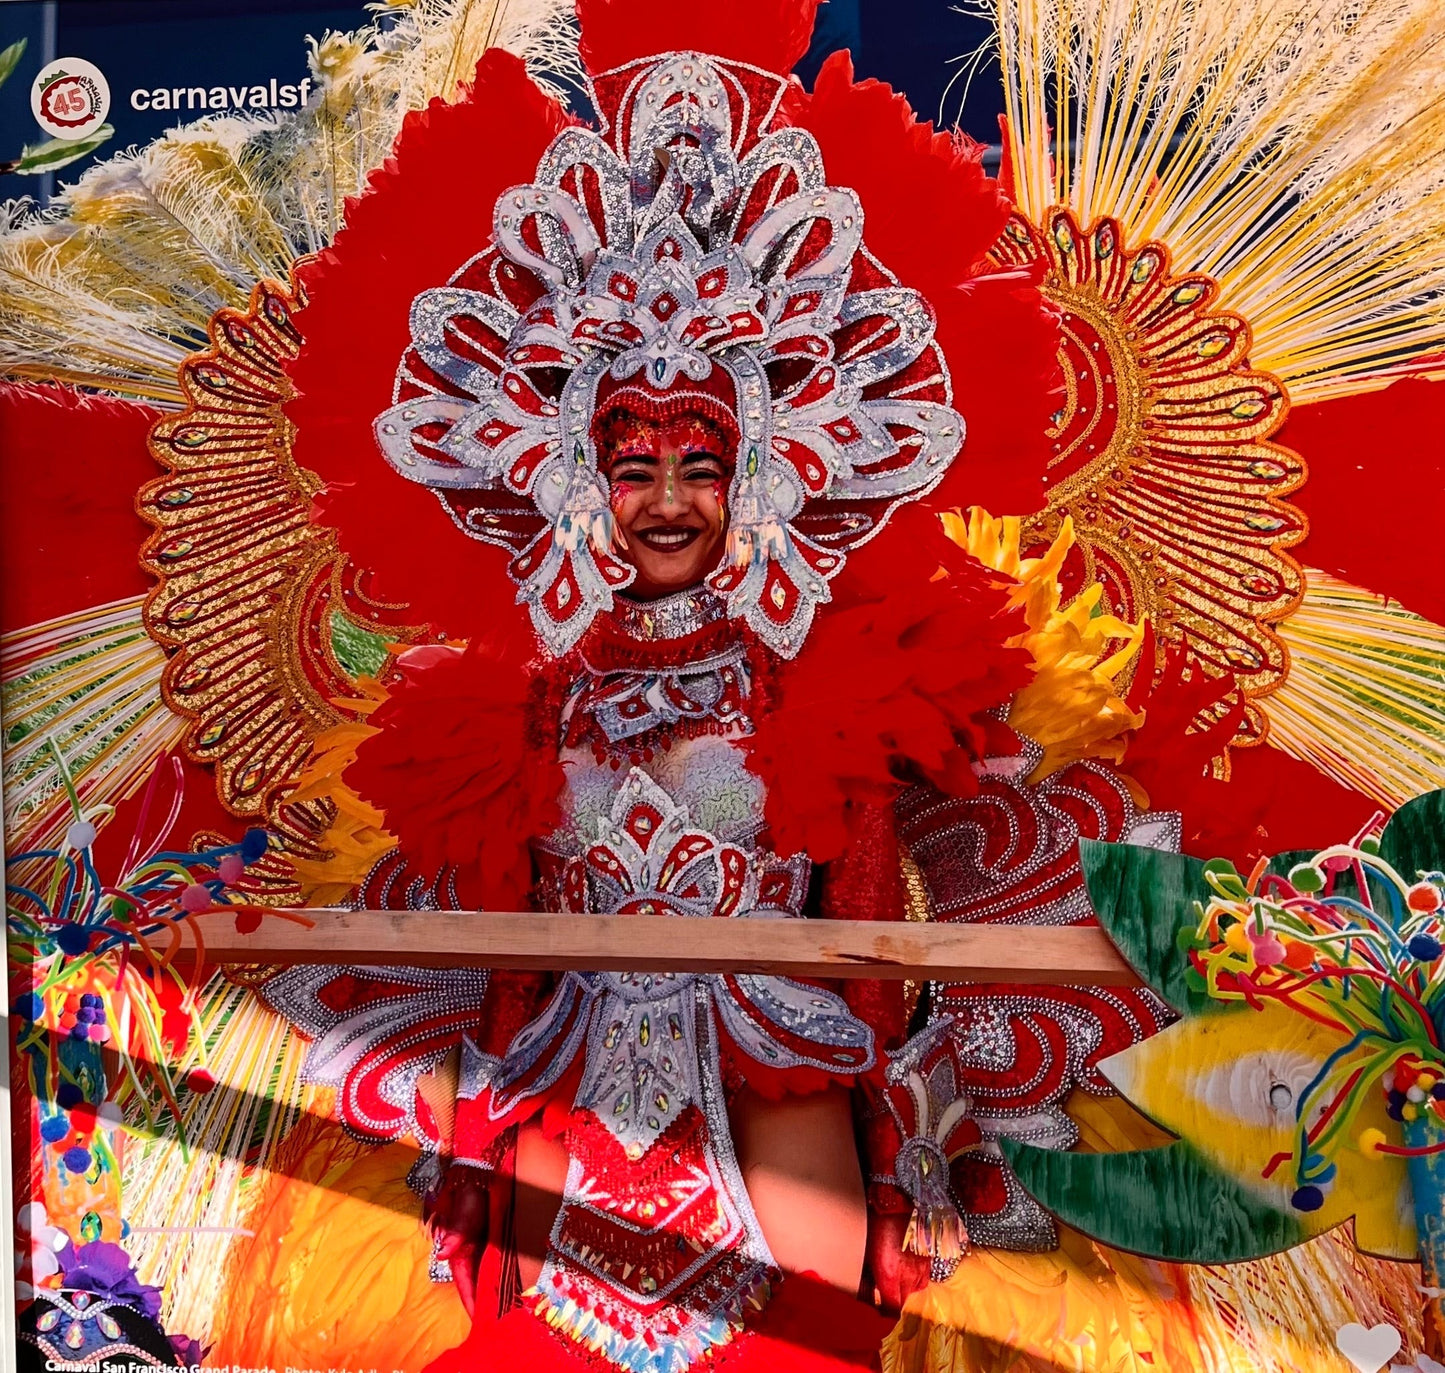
(686, 241)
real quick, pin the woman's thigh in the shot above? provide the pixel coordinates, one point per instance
(800, 1165)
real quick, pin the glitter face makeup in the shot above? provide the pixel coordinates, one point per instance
(668, 480)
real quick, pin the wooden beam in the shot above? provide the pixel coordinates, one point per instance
(642, 943)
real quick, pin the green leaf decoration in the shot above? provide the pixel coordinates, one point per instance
(1168, 1203)
(360, 651)
(1143, 899)
(10, 59)
(1414, 838)
(55, 153)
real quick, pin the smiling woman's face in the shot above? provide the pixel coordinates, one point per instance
(669, 500)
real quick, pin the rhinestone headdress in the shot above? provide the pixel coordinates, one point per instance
(686, 243)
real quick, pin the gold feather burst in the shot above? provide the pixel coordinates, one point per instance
(1354, 652)
(114, 286)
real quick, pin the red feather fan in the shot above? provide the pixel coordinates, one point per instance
(891, 676)
(930, 216)
(463, 774)
(427, 211)
(772, 34)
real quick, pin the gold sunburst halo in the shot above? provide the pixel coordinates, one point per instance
(1162, 453)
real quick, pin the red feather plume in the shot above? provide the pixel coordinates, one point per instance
(772, 34)
(930, 216)
(891, 676)
(426, 212)
(463, 772)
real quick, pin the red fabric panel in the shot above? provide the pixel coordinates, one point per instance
(1376, 478)
(72, 465)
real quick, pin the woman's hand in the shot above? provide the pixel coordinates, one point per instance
(896, 1274)
(457, 1218)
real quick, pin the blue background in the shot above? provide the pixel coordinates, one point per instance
(913, 45)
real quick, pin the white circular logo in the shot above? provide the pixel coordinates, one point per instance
(70, 98)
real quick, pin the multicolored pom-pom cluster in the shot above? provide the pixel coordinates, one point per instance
(1347, 941)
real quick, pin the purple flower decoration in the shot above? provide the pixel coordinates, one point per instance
(189, 1351)
(105, 1269)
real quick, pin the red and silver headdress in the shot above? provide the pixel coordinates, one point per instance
(686, 244)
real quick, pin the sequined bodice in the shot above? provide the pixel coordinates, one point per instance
(651, 736)
(656, 1250)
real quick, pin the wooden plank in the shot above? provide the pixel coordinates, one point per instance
(797, 948)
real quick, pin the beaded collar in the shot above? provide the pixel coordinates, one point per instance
(669, 633)
(669, 617)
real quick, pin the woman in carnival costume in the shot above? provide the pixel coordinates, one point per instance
(671, 383)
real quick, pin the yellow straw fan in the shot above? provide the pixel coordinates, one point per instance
(190, 1206)
(1292, 150)
(114, 286)
(82, 694)
(1365, 697)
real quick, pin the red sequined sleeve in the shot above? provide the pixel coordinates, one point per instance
(512, 999)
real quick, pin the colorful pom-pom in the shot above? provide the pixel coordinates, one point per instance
(230, 869)
(29, 1007)
(30, 1217)
(53, 1129)
(1425, 947)
(253, 845)
(200, 1080)
(1307, 1198)
(1423, 897)
(74, 940)
(1267, 948)
(68, 1096)
(1370, 1141)
(248, 922)
(1306, 878)
(76, 1159)
(195, 899)
(1298, 955)
(80, 834)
